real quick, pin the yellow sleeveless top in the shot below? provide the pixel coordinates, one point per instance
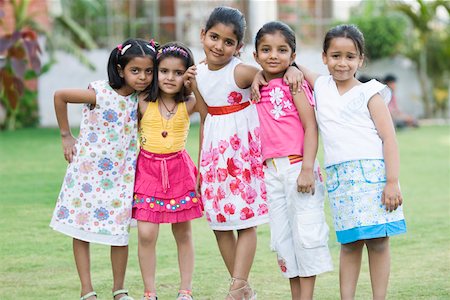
(153, 124)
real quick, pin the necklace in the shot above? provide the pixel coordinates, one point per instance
(169, 112)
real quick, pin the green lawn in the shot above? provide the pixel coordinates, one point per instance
(37, 263)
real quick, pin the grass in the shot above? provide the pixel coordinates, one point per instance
(37, 263)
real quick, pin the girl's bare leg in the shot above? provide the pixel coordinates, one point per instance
(226, 240)
(185, 246)
(83, 263)
(379, 266)
(119, 260)
(350, 266)
(147, 237)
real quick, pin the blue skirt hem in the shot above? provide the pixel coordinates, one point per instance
(371, 232)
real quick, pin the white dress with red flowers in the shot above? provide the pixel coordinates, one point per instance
(232, 178)
(94, 204)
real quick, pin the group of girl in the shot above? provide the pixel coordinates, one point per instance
(257, 160)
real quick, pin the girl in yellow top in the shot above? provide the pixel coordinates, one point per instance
(165, 186)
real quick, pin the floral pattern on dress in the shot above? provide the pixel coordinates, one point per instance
(279, 106)
(97, 193)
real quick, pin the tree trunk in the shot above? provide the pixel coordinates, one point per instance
(427, 96)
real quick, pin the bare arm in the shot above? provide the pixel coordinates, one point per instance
(379, 112)
(305, 180)
(310, 76)
(61, 98)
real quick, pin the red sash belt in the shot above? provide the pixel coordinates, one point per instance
(228, 109)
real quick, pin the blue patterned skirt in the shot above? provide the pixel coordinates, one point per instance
(354, 191)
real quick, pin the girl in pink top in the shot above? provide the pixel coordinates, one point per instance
(295, 192)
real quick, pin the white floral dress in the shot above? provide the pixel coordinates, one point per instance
(94, 203)
(231, 166)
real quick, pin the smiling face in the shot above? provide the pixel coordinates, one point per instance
(342, 59)
(220, 44)
(137, 74)
(274, 55)
(170, 75)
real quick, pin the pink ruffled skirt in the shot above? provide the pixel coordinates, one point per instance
(164, 189)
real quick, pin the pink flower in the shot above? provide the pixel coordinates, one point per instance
(234, 98)
(246, 175)
(234, 167)
(223, 145)
(235, 142)
(249, 195)
(247, 213)
(220, 193)
(207, 158)
(222, 174)
(215, 205)
(245, 154)
(229, 208)
(221, 218)
(263, 209)
(208, 217)
(209, 193)
(236, 186)
(210, 175)
(263, 191)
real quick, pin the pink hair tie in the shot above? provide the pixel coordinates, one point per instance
(119, 47)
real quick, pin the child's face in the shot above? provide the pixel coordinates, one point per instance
(342, 59)
(220, 44)
(138, 73)
(170, 75)
(274, 55)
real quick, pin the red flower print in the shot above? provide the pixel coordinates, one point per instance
(246, 175)
(215, 156)
(263, 191)
(220, 193)
(236, 186)
(249, 195)
(255, 148)
(221, 218)
(263, 209)
(247, 213)
(210, 175)
(215, 205)
(208, 217)
(234, 98)
(223, 145)
(209, 193)
(229, 208)
(234, 167)
(235, 142)
(222, 174)
(206, 158)
(282, 265)
(245, 154)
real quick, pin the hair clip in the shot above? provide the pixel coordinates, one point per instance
(172, 49)
(151, 48)
(124, 49)
(119, 47)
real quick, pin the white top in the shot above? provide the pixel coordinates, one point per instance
(219, 87)
(346, 127)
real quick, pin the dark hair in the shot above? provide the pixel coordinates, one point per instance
(389, 78)
(228, 16)
(346, 31)
(123, 54)
(178, 50)
(273, 27)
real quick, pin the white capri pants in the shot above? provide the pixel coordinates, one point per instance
(299, 232)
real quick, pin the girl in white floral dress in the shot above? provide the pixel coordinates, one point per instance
(95, 201)
(230, 165)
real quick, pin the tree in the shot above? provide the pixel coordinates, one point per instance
(426, 38)
(22, 61)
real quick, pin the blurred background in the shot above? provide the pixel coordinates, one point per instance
(46, 45)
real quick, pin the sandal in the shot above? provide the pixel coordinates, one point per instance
(149, 296)
(122, 291)
(90, 294)
(244, 292)
(185, 295)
